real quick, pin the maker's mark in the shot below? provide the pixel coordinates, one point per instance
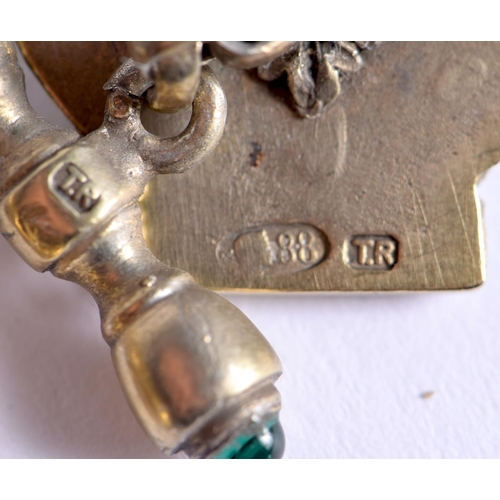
(368, 252)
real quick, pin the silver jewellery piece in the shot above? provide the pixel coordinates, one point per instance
(313, 71)
(376, 190)
(197, 373)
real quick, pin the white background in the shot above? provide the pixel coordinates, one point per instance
(355, 366)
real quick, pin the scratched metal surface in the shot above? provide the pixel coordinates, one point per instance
(392, 163)
(355, 369)
(374, 356)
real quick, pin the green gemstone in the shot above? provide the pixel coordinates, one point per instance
(254, 449)
(270, 444)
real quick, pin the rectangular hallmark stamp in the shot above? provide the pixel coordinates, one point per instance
(370, 252)
(76, 187)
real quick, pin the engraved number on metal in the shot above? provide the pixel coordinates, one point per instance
(273, 249)
(292, 248)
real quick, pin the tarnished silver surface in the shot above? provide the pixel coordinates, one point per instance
(175, 69)
(244, 55)
(387, 174)
(363, 252)
(314, 70)
(197, 373)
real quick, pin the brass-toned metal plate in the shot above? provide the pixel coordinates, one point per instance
(378, 193)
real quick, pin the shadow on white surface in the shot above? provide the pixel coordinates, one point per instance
(59, 395)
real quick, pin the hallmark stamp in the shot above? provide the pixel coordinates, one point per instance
(273, 249)
(369, 252)
(76, 187)
(289, 247)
